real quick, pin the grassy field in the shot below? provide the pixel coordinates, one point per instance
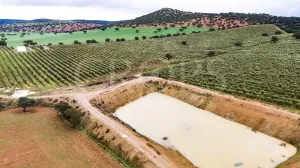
(42, 139)
(259, 69)
(99, 35)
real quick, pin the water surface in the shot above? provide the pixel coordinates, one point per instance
(207, 140)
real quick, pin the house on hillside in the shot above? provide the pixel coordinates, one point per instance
(21, 49)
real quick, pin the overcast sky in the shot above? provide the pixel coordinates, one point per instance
(128, 9)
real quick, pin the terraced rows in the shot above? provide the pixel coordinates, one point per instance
(75, 64)
(268, 72)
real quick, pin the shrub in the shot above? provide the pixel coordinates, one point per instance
(76, 42)
(238, 44)
(278, 32)
(107, 40)
(169, 35)
(211, 53)
(60, 43)
(70, 114)
(212, 29)
(265, 34)
(169, 56)
(123, 39)
(184, 43)
(49, 44)
(297, 35)
(166, 28)
(136, 38)
(117, 29)
(144, 37)
(137, 31)
(183, 33)
(3, 43)
(118, 40)
(274, 39)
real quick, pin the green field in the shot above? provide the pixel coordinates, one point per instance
(258, 69)
(99, 35)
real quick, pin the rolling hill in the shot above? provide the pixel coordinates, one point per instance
(173, 16)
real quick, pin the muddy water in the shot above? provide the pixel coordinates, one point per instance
(207, 140)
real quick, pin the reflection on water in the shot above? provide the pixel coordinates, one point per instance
(207, 140)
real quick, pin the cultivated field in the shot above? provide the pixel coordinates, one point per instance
(72, 64)
(258, 69)
(99, 35)
(268, 71)
(42, 139)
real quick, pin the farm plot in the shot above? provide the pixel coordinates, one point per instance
(98, 35)
(70, 65)
(268, 72)
(42, 139)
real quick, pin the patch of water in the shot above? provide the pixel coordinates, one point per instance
(207, 140)
(22, 93)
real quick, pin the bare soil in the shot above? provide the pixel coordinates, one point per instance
(40, 138)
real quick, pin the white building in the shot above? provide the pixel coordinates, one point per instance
(21, 49)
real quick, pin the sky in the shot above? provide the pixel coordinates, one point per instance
(114, 10)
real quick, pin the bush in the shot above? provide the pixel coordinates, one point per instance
(274, 39)
(76, 42)
(278, 32)
(107, 40)
(136, 38)
(3, 43)
(184, 43)
(169, 35)
(144, 37)
(212, 29)
(70, 114)
(118, 40)
(169, 56)
(265, 34)
(297, 35)
(183, 34)
(60, 43)
(211, 53)
(238, 44)
(123, 39)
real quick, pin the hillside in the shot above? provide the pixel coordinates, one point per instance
(255, 70)
(48, 25)
(168, 16)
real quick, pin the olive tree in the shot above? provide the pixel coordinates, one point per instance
(25, 102)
